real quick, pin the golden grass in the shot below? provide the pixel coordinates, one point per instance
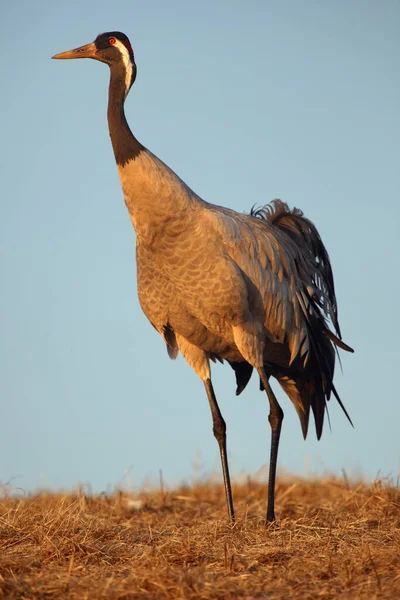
(332, 539)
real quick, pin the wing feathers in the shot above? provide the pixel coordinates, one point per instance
(312, 300)
(290, 283)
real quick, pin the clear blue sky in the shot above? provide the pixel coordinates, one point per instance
(246, 102)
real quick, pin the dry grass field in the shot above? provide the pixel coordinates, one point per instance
(333, 539)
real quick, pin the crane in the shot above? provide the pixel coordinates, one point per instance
(255, 290)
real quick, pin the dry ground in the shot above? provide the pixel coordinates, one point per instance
(332, 540)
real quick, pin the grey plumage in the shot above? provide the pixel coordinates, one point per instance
(254, 289)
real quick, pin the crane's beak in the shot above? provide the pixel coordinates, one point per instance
(88, 51)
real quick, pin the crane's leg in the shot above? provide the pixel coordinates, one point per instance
(199, 361)
(219, 428)
(275, 420)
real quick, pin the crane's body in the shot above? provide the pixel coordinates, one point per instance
(253, 289)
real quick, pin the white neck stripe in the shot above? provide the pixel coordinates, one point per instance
(126, 57)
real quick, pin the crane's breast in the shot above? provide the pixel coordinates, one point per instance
(195, 304)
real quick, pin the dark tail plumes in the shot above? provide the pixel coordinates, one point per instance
(339, 343)
(311, 386)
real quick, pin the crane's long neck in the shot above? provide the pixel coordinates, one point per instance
(156, 198)
(125, 145)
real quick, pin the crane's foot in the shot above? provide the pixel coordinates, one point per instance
(270, 517)
(271, 524)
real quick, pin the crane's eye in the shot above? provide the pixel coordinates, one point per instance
(112, 41)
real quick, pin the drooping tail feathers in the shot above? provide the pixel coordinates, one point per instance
(312, 388)
(304, 233)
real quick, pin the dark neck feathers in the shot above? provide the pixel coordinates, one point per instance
(126, 147)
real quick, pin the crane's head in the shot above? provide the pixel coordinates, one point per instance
(112, 48)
